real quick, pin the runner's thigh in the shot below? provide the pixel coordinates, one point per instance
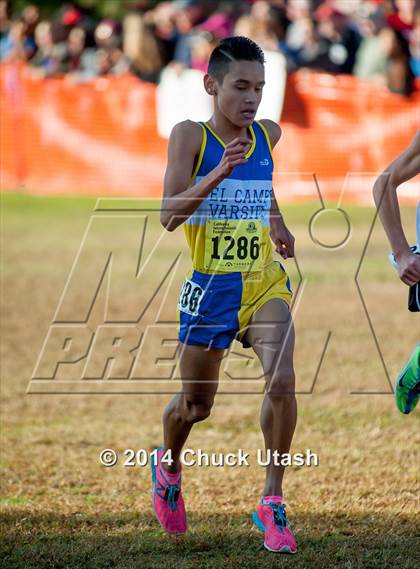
(200, 367)
(271, 335)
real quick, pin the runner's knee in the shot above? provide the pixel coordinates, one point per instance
(281, 386)
(197, 410)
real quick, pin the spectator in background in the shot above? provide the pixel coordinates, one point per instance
(314, 50)
(108, 39)
(103, 63)
(399, 76)
(384, 55)
(142, 48)
(266, 25)
(66, 18)
(5, 13)
(342, 37)
(71, 17)
(16, 45)
(187, 15)
(221, 22)
(73, 34)
(75, 50)
(414, 47)
(107, 34)
(298, 12)
(120, 64)
(202, 45)
(106, 59)
(185, 18)
(49, 55)
(326, 35)
(162, 21)
(303, 45)
(31, 17)
(402, 19)
(370, 57)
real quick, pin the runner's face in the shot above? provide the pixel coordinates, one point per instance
(240, 94)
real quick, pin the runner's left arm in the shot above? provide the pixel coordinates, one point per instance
(279, 233)
(403, 168)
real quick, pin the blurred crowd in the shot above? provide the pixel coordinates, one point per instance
(376, 40)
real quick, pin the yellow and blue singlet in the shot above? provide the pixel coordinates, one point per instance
(233, 271)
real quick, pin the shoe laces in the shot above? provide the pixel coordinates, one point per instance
(280, 519)
(410, 383)
(172, 493)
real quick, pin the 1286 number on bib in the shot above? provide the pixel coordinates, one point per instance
(233, 245)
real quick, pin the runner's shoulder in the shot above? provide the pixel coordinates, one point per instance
(188, 135)
(273, 130)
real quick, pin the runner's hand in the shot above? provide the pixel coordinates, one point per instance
(409, 268)
(282, 238)
(233, 155)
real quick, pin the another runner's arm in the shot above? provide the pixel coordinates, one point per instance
(403, 168)
(180, 199)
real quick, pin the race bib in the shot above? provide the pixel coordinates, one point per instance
(190, 297)
(233, 245)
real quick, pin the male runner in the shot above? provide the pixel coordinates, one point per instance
(218, 184)
(403, 168)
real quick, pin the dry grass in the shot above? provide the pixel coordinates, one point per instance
(60, 508)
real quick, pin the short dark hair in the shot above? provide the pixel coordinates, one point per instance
(236, 48)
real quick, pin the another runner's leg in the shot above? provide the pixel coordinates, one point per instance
(407, 386)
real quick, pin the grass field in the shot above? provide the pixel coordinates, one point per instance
(61, 509)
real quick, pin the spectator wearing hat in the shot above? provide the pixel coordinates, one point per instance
(341, 36)
(402, 19)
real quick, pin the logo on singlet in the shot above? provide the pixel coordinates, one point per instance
(251, 227)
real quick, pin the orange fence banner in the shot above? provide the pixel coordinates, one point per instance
(100, 137)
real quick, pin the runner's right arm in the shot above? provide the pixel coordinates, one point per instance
(180, 199)
(403, 168)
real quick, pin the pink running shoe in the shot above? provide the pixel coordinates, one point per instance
(270, 517)
(167, 501)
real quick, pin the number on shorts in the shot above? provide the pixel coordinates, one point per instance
(190, 297)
